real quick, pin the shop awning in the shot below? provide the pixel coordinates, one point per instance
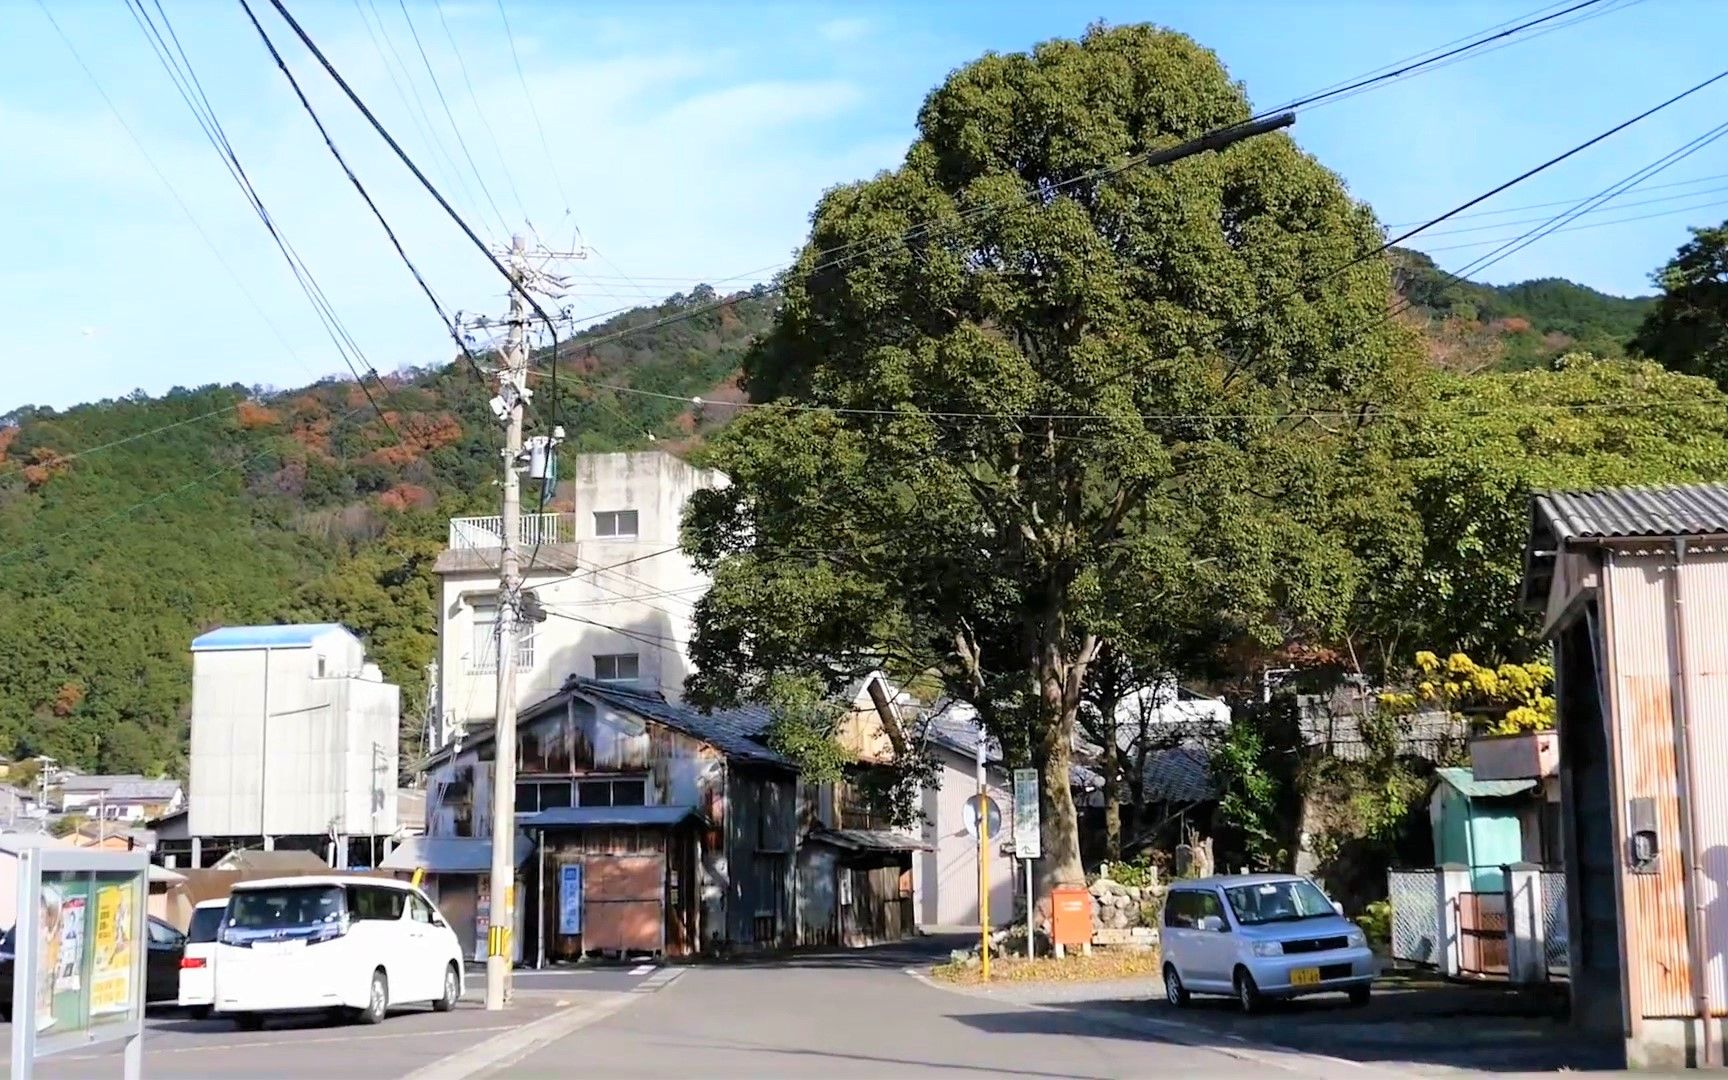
(450, 854)
(868, 840)
(578, 817)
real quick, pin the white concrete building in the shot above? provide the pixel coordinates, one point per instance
(294, 738)
(618, 593)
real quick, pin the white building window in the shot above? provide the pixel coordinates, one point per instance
(483, 648)
(615, 524)
(618, 667)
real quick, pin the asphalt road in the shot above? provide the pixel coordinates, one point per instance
(315, 1047)
(860, 1014)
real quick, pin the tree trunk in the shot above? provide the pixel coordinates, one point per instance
(1059, 707)
(1112, 764)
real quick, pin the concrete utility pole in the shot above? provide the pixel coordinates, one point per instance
(512, 387)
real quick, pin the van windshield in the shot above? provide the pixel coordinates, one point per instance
(1277, 901)
(285, 908)
(206, 921)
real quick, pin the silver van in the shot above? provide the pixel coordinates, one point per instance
(1260, 936)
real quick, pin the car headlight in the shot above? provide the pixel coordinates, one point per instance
(1268, 948)
(1357, 939)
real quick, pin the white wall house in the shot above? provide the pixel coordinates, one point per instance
(120, 798)
(618, 593)
(294, 735)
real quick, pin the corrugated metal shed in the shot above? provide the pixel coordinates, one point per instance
(1608, 513)
(663, 816)
(734, 732)
(294, 636)
(1471, 788)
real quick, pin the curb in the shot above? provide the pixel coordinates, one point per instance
(504, 1050)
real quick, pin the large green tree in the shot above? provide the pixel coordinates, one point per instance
(1687, 331)
(1032, 382)
(1442, 556)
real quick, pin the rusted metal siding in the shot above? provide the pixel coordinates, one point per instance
(1640, 582)
(1704, 586)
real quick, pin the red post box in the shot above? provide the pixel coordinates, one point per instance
(1070, 915)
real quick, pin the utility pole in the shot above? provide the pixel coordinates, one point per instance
(512, 397)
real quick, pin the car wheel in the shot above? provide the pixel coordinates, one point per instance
(452, 991)
(249, 1021)
(1247, 993)
(377, 999)
(1359, 995)
(1174, 992)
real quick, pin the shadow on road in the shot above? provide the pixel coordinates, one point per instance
(1440, 1026)
(917, 953)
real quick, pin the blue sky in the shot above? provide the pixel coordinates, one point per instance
(692, 141)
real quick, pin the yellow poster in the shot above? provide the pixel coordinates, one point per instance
(111, 969)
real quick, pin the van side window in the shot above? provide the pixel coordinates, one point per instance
(1211, 905)
(1180, 910)
(419, 910)
(374, 902)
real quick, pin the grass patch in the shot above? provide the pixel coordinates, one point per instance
(1102, 966)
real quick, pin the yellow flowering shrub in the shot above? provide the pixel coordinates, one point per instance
(1504, 700)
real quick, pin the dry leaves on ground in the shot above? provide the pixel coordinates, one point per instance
(1102, 966)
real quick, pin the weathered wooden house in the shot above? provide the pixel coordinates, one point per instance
(655, 827)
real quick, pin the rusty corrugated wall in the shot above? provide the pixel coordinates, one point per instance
(1640, 583)
(1704, 588)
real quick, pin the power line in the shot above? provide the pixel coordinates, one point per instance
(186, 82)
(448, 115)
(200, 418)
(109, 519)
(485, 124)
(420, 279)
(551, 161)
(417, 114)
(1592, 225)
(1607, 205)
(174, 192)
(1559, 202)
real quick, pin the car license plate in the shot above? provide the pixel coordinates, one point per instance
(277, 948)
(1304, 976)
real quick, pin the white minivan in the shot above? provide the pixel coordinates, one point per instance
(352, 945)
(197, 959)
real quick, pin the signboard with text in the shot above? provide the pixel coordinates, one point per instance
(78, 959)
(1028, 843)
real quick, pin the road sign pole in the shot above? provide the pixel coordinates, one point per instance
(983, 864)
(1029, 906)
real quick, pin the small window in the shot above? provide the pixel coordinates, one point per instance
(163, 936)
(618, 667)
(533, 796)
(615, 524)
(483, 645)
(527, 798)
(632, 792)
(554, 796)
(419, 910)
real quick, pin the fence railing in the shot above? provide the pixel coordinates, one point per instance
(1417, 933)
(1556, 941)
(482, 533)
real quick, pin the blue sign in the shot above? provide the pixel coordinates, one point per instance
(570, 899)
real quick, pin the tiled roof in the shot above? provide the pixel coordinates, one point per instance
(1608, 513)
(734, 732)
(129, 788)
(868, 840)
(1177, 774)
(295, 636)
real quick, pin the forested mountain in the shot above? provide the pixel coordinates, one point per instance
(129, 526)
(117, 546)
(1475, 327)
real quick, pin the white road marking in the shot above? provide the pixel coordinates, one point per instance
(659, 981)
(642, 969)
(154, 1046)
